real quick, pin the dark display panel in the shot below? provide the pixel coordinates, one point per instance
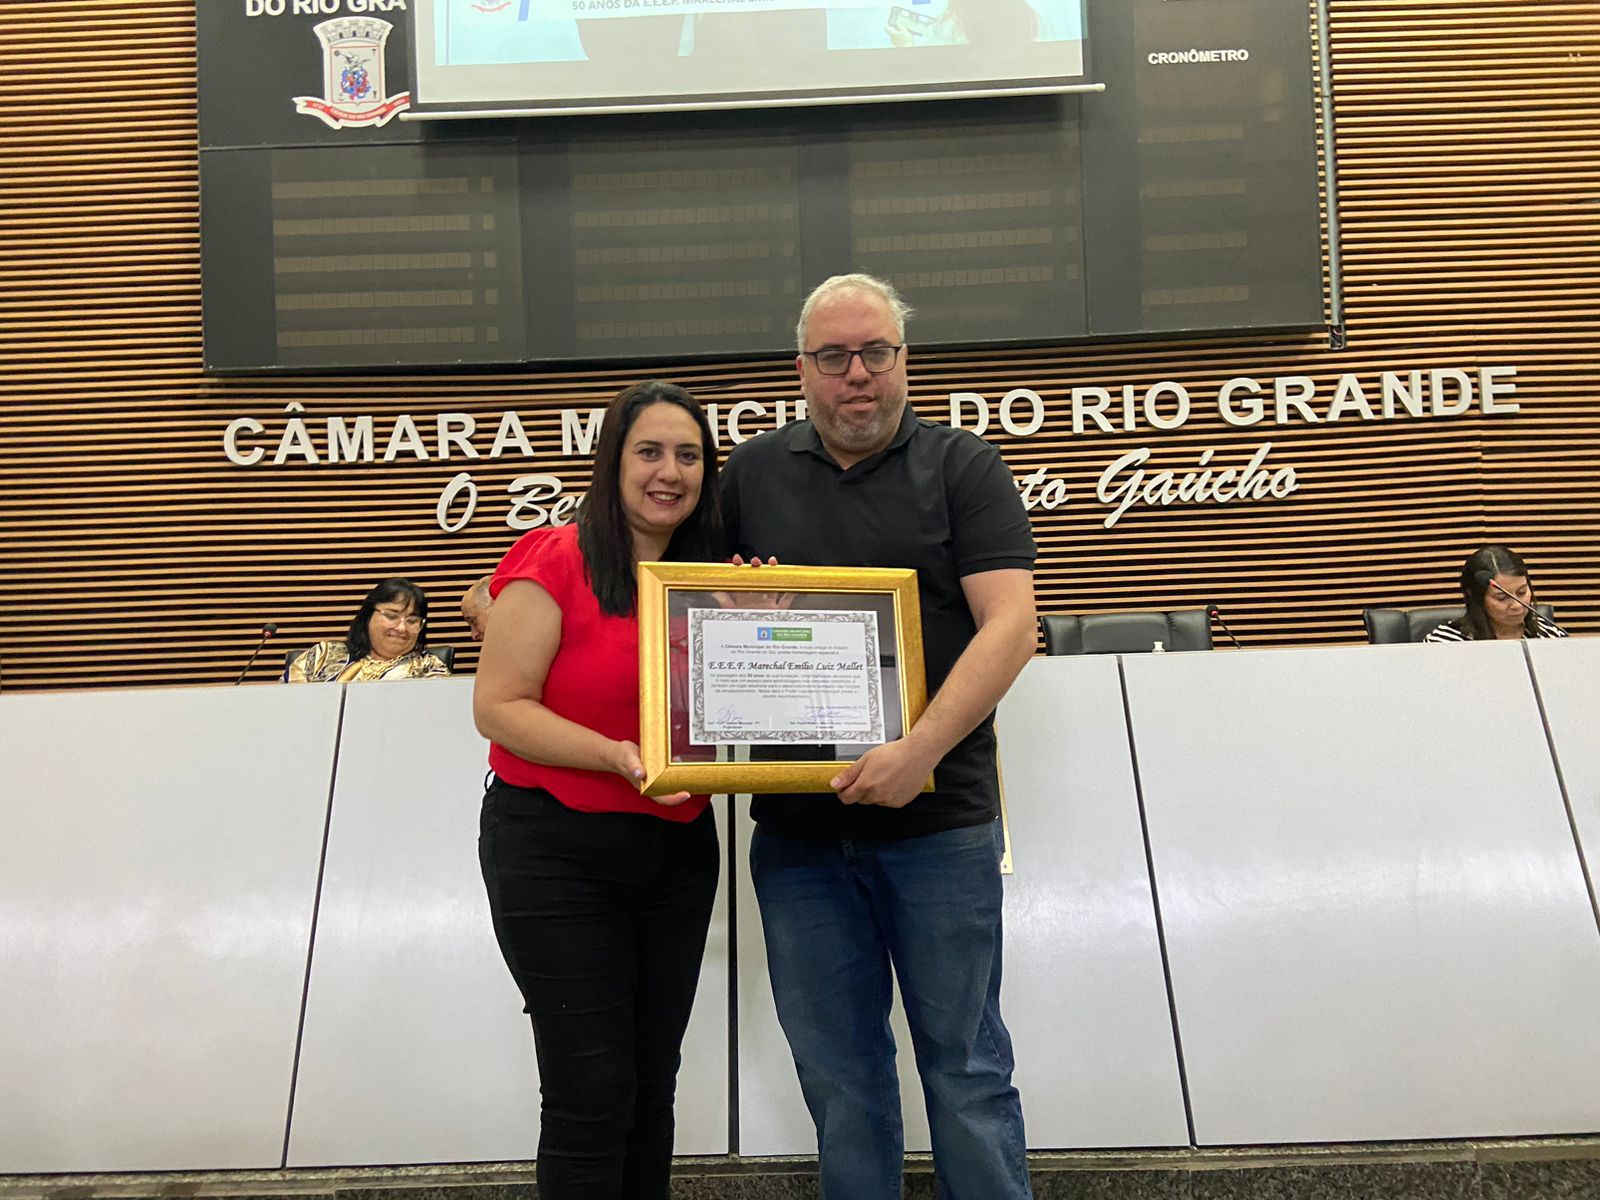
(983, 229)
(692, 241)
(1183, 198)
(407, 255)
(1203, 204)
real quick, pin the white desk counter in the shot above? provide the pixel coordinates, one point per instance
(1368, 918)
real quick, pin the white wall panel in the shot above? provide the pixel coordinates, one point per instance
(1376, 920)
(416, 1048)
(1375, 917)
(1084, 995)
(158, 859)
(1568, 673)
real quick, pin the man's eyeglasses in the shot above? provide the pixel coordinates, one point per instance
(876, 359)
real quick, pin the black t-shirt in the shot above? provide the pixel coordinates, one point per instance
(938, 499)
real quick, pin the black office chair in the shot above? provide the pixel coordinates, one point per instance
(445, 654)
(1126, 633)
(1388, 626)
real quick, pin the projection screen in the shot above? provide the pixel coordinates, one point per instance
(482, 57)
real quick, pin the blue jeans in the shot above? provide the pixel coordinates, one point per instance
(836, 916)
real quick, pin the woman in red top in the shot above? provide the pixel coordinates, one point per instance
(601, 896)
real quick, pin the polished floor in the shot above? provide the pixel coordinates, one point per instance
(1537, 1169)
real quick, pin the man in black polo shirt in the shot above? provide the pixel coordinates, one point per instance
(883, 874)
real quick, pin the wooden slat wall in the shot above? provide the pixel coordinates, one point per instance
(134, 553)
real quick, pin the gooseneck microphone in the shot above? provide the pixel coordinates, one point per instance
(1486, 579)
(1215, 614)
(267, 631)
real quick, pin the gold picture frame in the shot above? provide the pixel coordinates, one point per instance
(670, 591)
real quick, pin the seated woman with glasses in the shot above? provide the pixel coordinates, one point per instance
(1500, 601)
(388, 639)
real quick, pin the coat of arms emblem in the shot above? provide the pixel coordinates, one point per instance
(354, 91)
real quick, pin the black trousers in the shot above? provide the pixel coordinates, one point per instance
(602, 918)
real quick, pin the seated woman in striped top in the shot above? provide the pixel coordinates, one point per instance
(388, 639)
(1499, 601)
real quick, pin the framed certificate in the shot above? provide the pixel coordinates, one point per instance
(770, 679)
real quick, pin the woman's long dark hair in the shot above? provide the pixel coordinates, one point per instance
(1490, 561)
(359, 642)
(603, 533)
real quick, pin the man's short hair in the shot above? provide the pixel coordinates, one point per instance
(480, 588)
(898, 308)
